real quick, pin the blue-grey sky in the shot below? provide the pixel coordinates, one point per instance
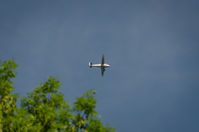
(151, 45)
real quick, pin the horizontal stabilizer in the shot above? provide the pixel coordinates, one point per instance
(90, 64)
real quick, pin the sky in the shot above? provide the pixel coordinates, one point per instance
(151, 45)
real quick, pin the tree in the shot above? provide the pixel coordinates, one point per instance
(45, 109)
(7, 99)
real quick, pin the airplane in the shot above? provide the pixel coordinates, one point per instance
(103, 65)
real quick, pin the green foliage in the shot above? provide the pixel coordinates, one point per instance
(7, 99)
(47, 106)
(86, 104)
(45, 109)
(95, 125)
(7, 72)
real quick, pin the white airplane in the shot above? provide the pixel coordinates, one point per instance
(103, 65)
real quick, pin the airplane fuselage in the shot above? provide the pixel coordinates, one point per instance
(100, 65)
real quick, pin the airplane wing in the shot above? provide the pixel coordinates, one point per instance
(102, 70)
(102, 59)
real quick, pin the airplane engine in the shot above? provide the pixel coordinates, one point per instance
(90, 64)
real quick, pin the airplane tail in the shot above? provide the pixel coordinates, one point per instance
(90, 64)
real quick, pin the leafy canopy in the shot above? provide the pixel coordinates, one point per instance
(45, 109)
